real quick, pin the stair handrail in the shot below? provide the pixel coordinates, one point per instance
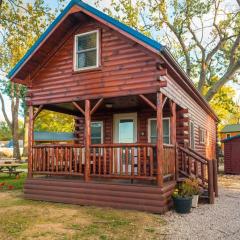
(211, 169)
(198, 158)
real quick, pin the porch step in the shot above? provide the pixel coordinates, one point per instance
(145, 198)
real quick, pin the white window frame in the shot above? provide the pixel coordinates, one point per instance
(191, 144)
(149, 129)
(101, 122)
(76, 69)
(202, 138)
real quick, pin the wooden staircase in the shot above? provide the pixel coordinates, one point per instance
(192, 164)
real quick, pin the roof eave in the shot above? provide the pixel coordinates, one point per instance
(166, 52)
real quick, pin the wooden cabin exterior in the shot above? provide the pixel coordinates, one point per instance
(140, 124)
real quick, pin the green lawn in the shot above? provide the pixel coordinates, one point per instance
(11, 183)
(23, 166)
(25, 219)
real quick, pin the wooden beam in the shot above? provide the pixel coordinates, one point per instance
(215, 177)
(79, 108)
(94, 109)
(163, 72)
(30, 141)
(210, 182)
(56, 108)
(87, 140)
(173, 122)
(146, 100)
(162, 83)
(159, 139)
(164, 101)
(38, 111)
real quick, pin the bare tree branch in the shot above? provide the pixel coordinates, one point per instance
(4, 112)
(224, 79)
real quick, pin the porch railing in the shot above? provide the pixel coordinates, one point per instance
(169, 160)
(120, 161)
(67, 159)
(131, 161)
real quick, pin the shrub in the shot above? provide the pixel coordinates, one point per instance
(188, 188)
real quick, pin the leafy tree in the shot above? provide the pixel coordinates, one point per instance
(5, 131)
(21, 24)
(225, 107)
(204, 35)
(54, 122)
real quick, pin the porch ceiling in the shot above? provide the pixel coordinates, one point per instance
(116, 104)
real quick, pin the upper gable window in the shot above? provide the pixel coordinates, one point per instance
(86, 50)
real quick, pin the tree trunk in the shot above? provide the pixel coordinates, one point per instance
(15, 127)
(25, 138)
(16, 149)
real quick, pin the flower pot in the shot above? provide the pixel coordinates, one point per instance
(195, 201)
(182, 204)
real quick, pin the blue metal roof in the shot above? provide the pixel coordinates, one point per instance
(53, 136)
(139, 36)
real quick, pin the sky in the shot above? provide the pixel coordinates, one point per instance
(103, 3)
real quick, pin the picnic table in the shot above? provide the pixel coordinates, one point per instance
(10, 168)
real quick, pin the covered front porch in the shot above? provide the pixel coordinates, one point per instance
(130, 138)
(128, 152)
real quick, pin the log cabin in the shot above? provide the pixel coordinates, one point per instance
(140, 124)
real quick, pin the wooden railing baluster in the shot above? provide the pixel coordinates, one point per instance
(99, 161)
(126, 160)
(132, 161)
(139, 161)
(104, 161)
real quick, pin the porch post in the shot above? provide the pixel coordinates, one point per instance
(30, 141)
(87, 140)
(173, 120)
(159, 139)
(173, 135)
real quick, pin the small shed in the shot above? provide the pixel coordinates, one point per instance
(232, 155)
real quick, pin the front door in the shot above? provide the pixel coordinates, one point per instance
(125, 131)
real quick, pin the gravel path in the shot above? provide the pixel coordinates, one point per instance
(218, 221)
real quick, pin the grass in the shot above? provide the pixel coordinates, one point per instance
(23, 166)
(26, 219)
(13, 183)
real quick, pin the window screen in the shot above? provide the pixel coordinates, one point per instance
(153, 131)
(96, 132)
(86, 50)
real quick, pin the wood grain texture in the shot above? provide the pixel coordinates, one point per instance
(135, 197)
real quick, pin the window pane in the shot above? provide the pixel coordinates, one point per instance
(153, 131)
(87, 59)
(153, 126)
(96, 141)
(165, 127)
(86, 41)
(96, 133)
(166, 140)
(153, 140)
(126, 131)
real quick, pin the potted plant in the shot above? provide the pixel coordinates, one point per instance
(182, 197)
(195, 190)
